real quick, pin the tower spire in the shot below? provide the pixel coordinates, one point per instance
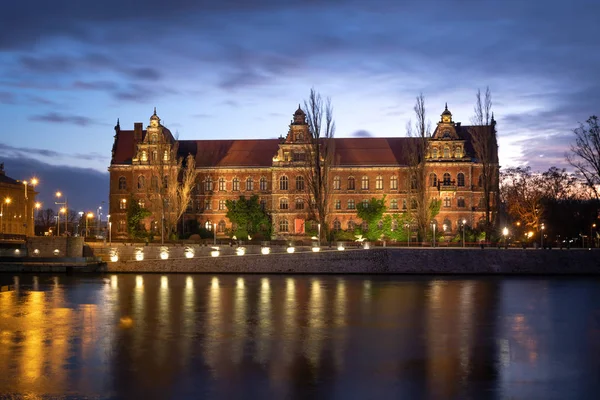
(154, 110)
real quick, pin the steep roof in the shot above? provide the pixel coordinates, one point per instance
(229, 153)
(8, 180)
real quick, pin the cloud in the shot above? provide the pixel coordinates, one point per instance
(8, 151)
(57, 118)
(7, 98)
(362, 133)
(85, 188)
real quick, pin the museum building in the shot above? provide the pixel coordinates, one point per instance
(362, 168)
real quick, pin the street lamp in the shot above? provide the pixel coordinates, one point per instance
(109, 229)
(433, 224)
(6, 201)
(542, 236)
(407, 235)
(505, 233)
(319, 231)
(37, 206)
(87, 218)
(464, 221)
(214, 227)
(63, 209)
(591, 241)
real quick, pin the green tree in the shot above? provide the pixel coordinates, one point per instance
(248, 217)
(372, 213)
(135, 215)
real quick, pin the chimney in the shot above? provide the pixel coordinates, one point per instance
(137, 131)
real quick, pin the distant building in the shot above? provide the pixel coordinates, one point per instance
(270, 168)
(17, 209)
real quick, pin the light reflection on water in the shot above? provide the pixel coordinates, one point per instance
(174, 336)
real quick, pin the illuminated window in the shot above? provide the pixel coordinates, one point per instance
(394, 182)
(337, 183)
(283, 225)
(144, 155)
(208, 226)
(283, 183)
(351, 184)
(364, 183)
(207, 204)
(249, 184)
(208, 184)
(379, 182)
(434, 153)
(263, 184)
(283, 204)
(394, 204)
(433, 180)
(236, 185)
(222, 205)
(153, 138)
(460, 179)
(338, 204)
(365, 203)
(123, 204)
(166, 155)
(299, 204)
(141, 182)
(221, 226)
(446, 152)
(222, 185)
(351, 205)
(447, 201)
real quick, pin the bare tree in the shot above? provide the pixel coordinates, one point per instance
(483, 137)
(417, 174)
(523, 193)
(585, 153)
(319, 157)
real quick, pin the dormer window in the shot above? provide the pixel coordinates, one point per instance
(299, 137)
(446, 134)
(154, 138)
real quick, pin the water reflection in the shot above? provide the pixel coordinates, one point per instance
(175, 336)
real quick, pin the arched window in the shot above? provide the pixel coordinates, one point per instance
(394, 204)
(351, 185)
(299, 204)
(433, 180)
(434, 153)
(221, 226)
(144, 155)
(249, 184)
(379, 182)
(154, 138)
(154, 182)
(155, 155)
(283, 204)
(446, 152)
(447, 227)
(283, 183)
(208, 226)
(166, 155)
(299, 183)
(337, 183)
(141, 182)
(263, 184)
(394, 183)
(458, 152)
(337, 225)
(208, 184)
(222, 185)
(122, 183)
(460, 178)
(480, 181)
(447, 179)
(236, 184)
(364, 183)
(460, 202)
(283, 225)
(351, 225)
(351, 205)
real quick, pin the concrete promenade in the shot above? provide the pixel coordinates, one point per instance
(372, 261)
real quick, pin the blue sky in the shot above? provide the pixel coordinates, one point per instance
(238, 69)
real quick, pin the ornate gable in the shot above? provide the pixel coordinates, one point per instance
(294, 147)
(446, 144)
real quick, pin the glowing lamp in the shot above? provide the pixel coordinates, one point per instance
(139, 255)
(189, 252)
(341, 247)
(316, 249)
(291, 249)
(240, 251)
(265, 250)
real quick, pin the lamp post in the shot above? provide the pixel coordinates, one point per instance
(591, 241)
(407, 235)
(37, 206)
(65, 210)
(464, 221)
(433, 224)
(505, 233)
(319, 232)
(79, 221)
(214, 227)
(87, 218)
(98, 220)
(6, 201)
(542, 236)
(109, 229)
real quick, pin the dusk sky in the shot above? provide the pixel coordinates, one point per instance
(238, 69)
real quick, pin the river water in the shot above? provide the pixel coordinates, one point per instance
(273, 336)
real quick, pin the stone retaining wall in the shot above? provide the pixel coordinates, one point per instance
(46, 246)
(373, 261)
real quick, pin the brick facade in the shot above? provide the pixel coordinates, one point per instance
(230, 168)
(18, 206)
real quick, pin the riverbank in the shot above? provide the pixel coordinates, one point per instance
(377, 261)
